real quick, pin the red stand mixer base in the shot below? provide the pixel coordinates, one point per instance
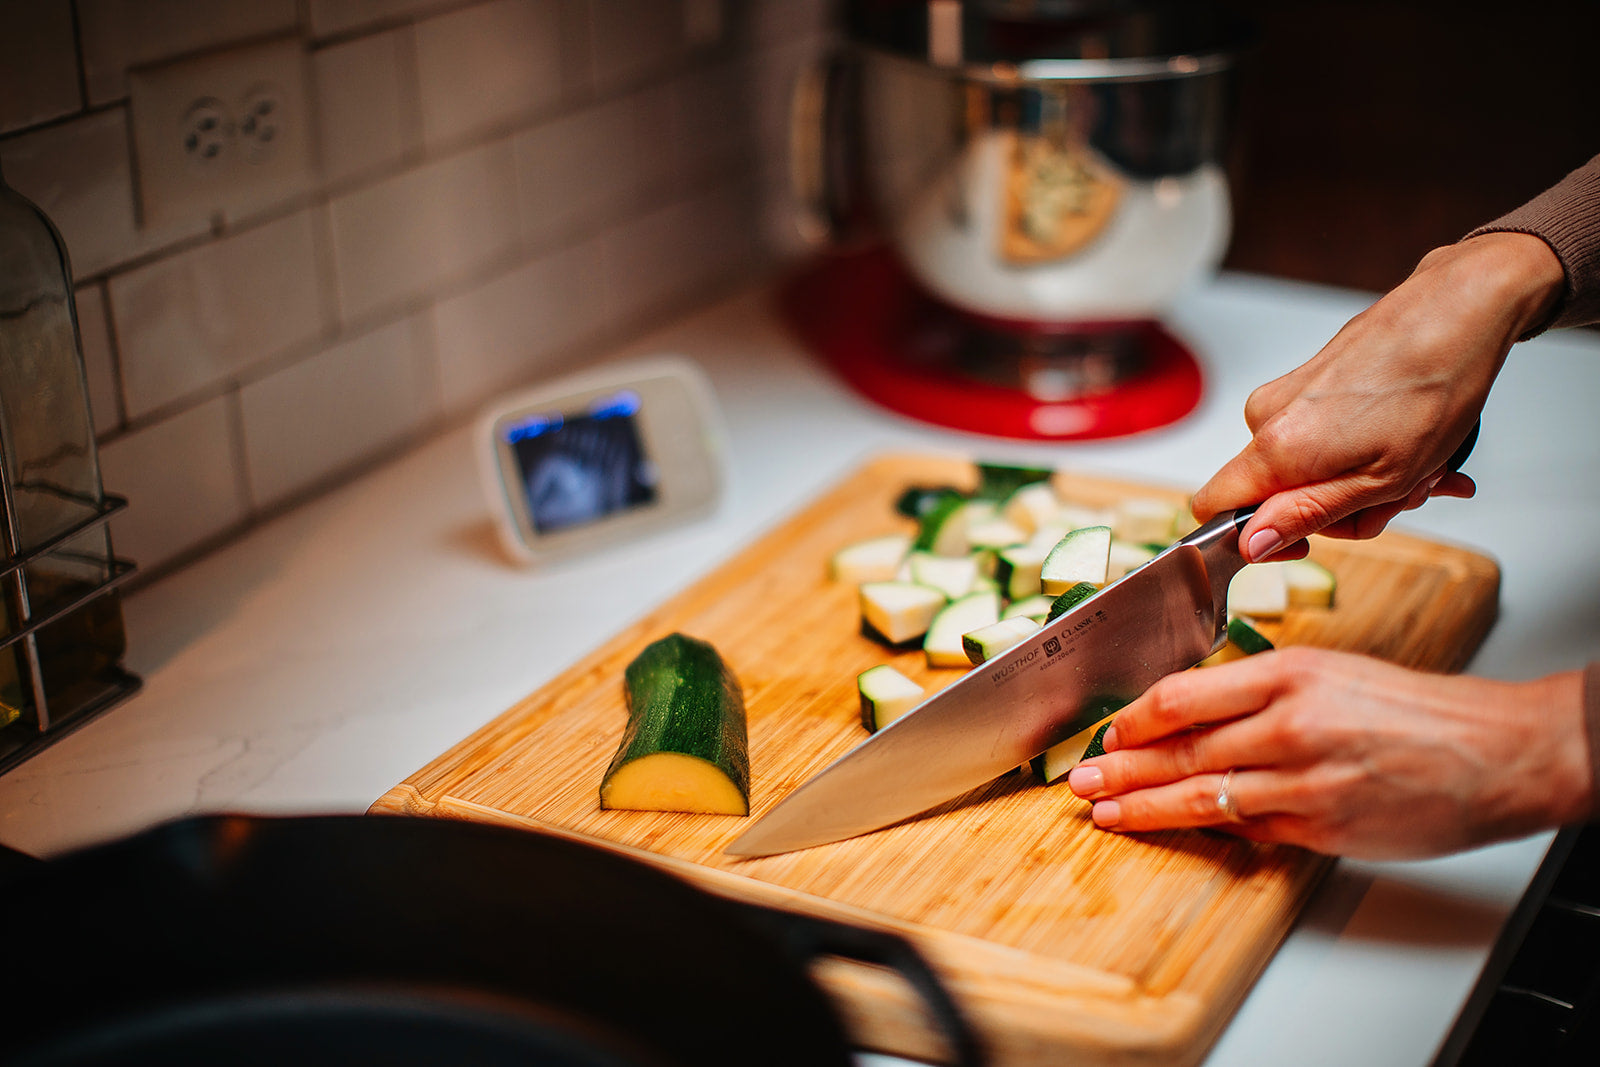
(863, 315)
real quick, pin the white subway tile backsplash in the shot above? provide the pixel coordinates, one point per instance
(580, 170)
(38, 63)
(505, 333)
(771, 88)
(675, 253)
(181, 480)
(486, 65)
(367, 95)
(201, 317)
(99, 360)
(400, 239)
(704, 22)
(119, 34)
(330, 17)
(775, 23)
(500, 186)
(79, 174)
(715, 121)
(352, 403)
(636, 39)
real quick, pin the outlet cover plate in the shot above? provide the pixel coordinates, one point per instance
(226, 133)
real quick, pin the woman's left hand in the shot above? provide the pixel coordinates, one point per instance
(1346, 755)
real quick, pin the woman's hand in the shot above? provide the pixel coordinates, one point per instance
(1361, 432)
(1345, 755)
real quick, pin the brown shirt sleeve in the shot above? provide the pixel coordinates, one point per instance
(1567, 218)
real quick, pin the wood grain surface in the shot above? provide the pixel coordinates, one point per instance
(1062, 943)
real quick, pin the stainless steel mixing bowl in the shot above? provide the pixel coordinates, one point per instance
(1083, 184)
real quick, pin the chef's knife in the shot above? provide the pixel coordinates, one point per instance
(1165, 616)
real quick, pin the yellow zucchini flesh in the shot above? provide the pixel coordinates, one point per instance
(672, 781)
(685, 747)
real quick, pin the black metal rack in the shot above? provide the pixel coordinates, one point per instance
(108, 688)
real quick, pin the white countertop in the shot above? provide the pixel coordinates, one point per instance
(329, 654)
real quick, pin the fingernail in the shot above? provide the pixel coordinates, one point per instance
(1264, 543)
(1108, 740)
(1086, 780)
(1106, 814)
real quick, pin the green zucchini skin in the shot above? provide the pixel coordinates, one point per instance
(682, 697)
(996, 481)
(1070, 599)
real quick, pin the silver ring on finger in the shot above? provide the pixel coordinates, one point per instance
(1227, 803)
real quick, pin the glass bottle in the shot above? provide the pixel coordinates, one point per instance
(63, 637)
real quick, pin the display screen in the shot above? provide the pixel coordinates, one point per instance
(577, 468)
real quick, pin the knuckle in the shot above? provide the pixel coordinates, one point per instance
(1277, 436)
(1188, 753)
(1199, 806)
(1299, 722)
(1297, 666)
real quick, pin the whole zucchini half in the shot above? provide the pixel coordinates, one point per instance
(685, 747)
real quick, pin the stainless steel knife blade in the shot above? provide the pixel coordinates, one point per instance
(1165, 616)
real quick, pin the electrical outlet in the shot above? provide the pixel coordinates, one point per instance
(222, 134)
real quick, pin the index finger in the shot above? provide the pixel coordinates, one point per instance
(1186, 699)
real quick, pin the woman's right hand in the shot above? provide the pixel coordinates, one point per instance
(1361, 432)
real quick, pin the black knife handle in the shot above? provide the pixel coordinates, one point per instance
(1463, 450)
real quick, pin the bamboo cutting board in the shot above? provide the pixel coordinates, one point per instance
(1061, 942)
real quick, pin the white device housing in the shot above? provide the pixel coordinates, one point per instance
(679, 432)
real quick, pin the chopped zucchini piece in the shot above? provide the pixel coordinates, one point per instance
(1036, 607)
(1185, 523)
(1081, 556)
(995, 533)
(886, 694)
(956, 619)
(942, 529)
(685, 746)
(1069, 599)
(874, 560)
(1250, 640)
(996, 481)
(1259, 590)
(1054, 762)
(1031, 507)
(1141, 519)
(951, 575)
(1310, 584)
(988, 641)
(1017, 569)
(899, 611)
(1243, 640)
(1076, 516)
(986, 560)
(918, 500)
(1126, 556)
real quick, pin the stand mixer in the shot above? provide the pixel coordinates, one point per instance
(1015, 191)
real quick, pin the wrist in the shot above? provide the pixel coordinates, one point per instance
(1568, 779)
(1521, 274)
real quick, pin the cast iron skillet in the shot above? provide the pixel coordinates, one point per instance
(346, 940)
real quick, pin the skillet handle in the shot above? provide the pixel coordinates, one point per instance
(14, 864)
(811, 937)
